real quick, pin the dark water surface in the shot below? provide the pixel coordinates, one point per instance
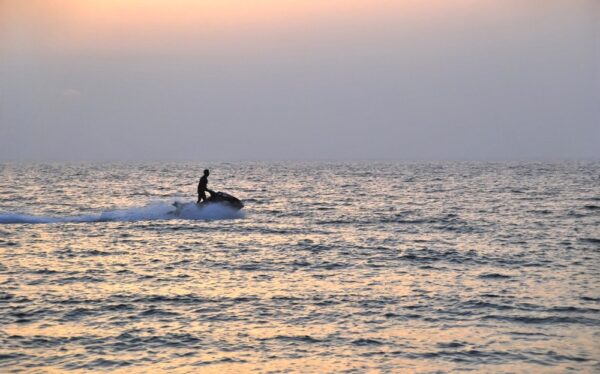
(333, 267)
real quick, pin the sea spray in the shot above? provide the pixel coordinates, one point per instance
(151, 212)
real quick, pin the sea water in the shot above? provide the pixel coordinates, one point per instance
(330, 267)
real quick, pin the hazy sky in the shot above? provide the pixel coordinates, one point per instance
(299, 79)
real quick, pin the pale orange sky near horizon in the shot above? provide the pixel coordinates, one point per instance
(299, 79)
(113, 25)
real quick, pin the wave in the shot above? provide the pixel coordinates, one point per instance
(150, 212)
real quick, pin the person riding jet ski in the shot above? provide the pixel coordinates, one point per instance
(215, 197)
(219, 198)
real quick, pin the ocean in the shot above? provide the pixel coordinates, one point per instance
(330, 267)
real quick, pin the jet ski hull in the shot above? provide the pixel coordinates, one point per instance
(223, 199)
(218, 198)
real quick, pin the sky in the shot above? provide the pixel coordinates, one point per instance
(299, 80)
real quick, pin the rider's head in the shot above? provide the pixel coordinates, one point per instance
(206, 172)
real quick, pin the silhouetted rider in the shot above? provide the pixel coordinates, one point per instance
(202, 187)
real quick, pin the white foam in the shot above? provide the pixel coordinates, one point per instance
(151, 212)
(24, 218)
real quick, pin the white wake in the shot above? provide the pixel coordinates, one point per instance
(150, 212)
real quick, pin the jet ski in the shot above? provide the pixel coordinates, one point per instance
(221, 198)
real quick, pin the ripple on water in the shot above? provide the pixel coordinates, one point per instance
(429, 267)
